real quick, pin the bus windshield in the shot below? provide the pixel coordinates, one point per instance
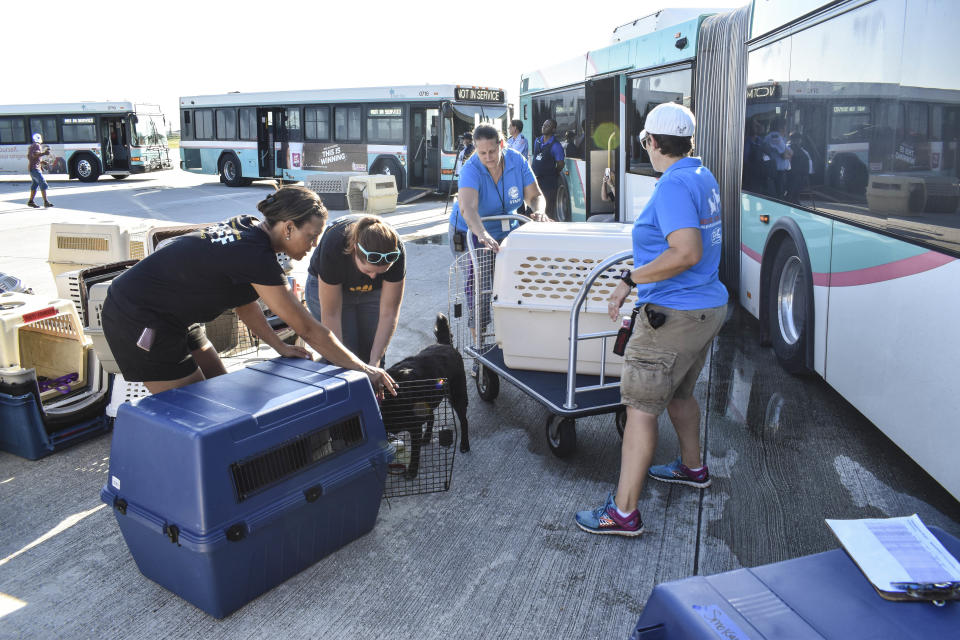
(148, 130)
(461, 118)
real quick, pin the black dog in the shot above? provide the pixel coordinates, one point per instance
(412, 408)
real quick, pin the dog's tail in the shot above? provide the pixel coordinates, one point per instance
(442, 329)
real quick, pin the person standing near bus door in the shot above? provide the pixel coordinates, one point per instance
(681, 305)
(34, 153)
(517, 141)
(355, 284)
(776, 142)
(466, 149)
(548, 157)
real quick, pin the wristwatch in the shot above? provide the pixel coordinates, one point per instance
(625, 276)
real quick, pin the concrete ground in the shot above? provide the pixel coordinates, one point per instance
(496, 556)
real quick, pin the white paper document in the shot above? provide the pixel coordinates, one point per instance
(890, 550)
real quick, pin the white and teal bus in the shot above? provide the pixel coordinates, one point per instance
(847, 250)
(410, 132)
(85, 139)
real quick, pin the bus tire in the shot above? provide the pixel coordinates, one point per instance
(116, 177)
(86, 167)
(388, 166)
(788, 308)
(563, 209)
(230, 171)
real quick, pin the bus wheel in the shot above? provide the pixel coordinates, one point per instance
(388, 167)
(230, 171)
(86, 168)
(116, 177)
(563, 209)
(788, 305)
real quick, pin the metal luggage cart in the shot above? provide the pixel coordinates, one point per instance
(568, 395)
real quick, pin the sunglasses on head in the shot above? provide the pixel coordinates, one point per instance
(376, 257)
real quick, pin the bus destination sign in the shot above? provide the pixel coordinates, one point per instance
(479, 94)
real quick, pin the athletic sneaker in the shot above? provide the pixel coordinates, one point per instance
(680, 473)
(31, 203)
(606, 520)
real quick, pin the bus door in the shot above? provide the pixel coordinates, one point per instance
(602, 142)
(424, 158)
(271, 142)
(115, 144)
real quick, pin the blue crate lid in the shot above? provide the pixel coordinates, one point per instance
(243, 445)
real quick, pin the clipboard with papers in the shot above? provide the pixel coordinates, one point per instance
(901, 558)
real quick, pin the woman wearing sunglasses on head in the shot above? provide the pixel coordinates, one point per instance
(355, 284)
(152, 312)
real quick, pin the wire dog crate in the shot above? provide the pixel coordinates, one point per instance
(470, 306)
(421, 427)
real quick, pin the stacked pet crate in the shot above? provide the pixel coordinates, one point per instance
(539, 270)
(421, 427)
(228, 487)
(52, 388)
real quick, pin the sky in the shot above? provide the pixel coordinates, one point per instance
(154, 52)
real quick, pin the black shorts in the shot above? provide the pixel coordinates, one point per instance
(168, 359)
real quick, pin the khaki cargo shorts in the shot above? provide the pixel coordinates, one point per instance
(664, 363)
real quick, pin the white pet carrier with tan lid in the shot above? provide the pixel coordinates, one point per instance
(539, 271)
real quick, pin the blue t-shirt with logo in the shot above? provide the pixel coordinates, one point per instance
(495, 199)
(686, 196)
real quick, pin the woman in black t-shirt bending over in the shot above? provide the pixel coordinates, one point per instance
(356, 278)
(151, 312)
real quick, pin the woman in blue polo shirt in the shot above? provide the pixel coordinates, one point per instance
(494, 181)
(681, 305)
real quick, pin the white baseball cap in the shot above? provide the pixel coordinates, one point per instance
(37, 138)
(669, 119)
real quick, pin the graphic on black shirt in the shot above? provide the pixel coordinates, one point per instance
(331, 265)
(199, 275)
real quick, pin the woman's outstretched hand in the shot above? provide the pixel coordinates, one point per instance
(381, 381)
(293, 351)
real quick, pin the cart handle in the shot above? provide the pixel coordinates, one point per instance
(573, 337)
(471, 250)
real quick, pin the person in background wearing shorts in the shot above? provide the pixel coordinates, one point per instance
(34, 153)
(681, 305)
(152, 314)
(355, 284)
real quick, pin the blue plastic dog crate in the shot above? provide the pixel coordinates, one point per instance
(227, 487)
(27, 432)
(814, 597)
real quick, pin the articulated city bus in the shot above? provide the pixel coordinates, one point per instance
(410, 132)
(833, 129)
(85, 139)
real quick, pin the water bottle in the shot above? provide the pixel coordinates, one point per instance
(623, 335)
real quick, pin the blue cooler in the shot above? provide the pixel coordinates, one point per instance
(820, 596)
(227, 487)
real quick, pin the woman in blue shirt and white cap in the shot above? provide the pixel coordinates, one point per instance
(681, 305)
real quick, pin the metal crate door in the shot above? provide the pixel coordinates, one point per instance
(469, 305)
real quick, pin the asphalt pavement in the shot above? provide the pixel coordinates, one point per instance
(496, 556)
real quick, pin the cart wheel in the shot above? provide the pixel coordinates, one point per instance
(561, 436)
(621, 420)
(488, 384)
